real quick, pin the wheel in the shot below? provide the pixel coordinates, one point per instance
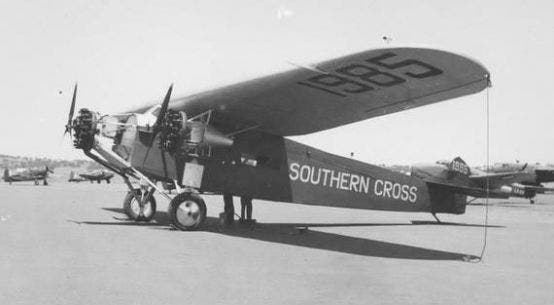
(45, 182)
(108, 181)
(132, 208)
(36, 182)
(187, 211)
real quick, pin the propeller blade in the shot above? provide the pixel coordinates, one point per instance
(71, 112)
(163, 110)
(524, 166)
(165, 105)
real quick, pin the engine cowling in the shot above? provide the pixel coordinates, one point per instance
(84, 128)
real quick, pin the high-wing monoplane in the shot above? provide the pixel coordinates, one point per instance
(457, 177)
(27, 174)
(232, 140)
(97, 175)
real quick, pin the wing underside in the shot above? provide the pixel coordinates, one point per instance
(339, 91)
(469, 191)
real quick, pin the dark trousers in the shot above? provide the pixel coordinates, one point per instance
(229, 208)
(246, 204)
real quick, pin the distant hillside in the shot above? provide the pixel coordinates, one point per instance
(7, 161)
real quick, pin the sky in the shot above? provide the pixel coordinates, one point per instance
(126, 53)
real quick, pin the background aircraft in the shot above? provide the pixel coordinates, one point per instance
(458, 177)
(30, 174)
(527, 179)
(231, 140)
(97, 175)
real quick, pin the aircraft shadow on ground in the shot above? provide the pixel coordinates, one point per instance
(299, 234)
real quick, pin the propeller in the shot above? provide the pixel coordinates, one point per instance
(71, 111)
(161, 115)
(524, 166)
(165, 105)
(157, 125)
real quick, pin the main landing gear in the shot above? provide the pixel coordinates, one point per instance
(138, 207)
(187, 211)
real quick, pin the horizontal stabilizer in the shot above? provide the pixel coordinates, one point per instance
(469, 191)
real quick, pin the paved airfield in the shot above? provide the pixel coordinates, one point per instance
(61, 244)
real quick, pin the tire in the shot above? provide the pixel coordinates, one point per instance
(132, 209)
(187, 211)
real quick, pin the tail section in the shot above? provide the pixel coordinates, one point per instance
(458, 172)
(459, 166)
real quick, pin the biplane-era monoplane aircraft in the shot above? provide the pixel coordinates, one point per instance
(232, 140)
(97, 175)
(458, 177)
(524, 180)
(27, 174)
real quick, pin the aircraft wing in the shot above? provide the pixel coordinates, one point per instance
(538, 189)
(469, 191)
(481, 178)
(339, 91)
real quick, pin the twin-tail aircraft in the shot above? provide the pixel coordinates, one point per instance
(232, 140)
(27, 174)
(97, 175)
(502, 182)
(526, 181)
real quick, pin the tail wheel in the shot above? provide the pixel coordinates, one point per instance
(132, 207)
(187, 211)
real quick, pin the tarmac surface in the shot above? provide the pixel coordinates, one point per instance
(65, 244)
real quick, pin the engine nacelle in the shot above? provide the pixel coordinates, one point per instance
(178, 132)
(200, 134)
(518, 190)
(84, 128)
(506, 189)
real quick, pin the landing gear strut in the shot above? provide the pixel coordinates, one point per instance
(435, 215)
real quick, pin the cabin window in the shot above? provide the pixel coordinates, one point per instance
(259, 161)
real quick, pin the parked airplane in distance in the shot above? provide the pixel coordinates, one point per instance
(97, 175)
(529, 177)
(27, 174)
(457, 177)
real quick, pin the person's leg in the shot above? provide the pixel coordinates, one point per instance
(249, 208)
(229, 208)
(242, 208)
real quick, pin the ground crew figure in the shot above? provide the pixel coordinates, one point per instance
(246, 206)
(228, 215)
